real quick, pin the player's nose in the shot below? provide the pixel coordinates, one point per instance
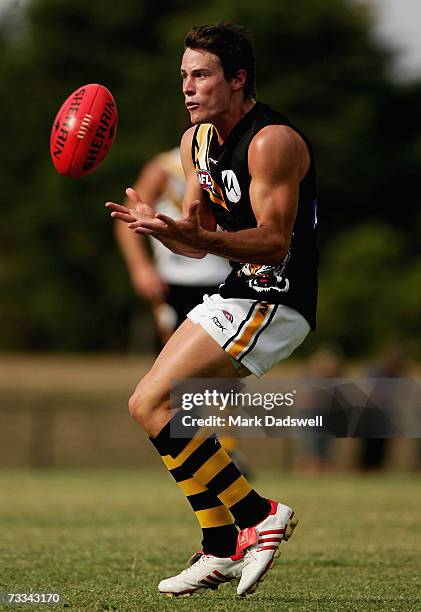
(188, 86)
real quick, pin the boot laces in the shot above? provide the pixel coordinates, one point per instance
(195, 565)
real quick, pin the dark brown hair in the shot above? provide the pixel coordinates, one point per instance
(232, 44)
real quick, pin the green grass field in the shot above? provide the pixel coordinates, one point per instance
(104, 539)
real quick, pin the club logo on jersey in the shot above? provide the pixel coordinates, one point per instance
(232, 187)
(205, 178)
(262, 278)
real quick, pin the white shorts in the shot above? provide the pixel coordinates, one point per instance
(256, 334)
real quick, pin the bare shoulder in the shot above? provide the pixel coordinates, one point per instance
(283, 147)
(277, 138)
(187, 139)
(185, 150)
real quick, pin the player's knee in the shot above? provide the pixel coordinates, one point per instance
(138, 407)
(142, 406)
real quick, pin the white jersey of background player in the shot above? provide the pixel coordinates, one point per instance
(172, 284)
(176, 269)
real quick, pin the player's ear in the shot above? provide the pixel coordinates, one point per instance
(238, 81)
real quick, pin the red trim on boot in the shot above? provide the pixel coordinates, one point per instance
(247, 537)
(273, 507)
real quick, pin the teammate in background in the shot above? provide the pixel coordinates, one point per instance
(171, 283)
(251, 171)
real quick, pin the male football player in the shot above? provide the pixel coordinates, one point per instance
(251, 171)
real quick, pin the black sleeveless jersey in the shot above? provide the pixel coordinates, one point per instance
(224, 175)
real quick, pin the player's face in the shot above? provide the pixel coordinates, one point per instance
(207, 92)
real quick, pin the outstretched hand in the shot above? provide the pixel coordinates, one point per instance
(185, 237)
(187, 230)
(139, 213)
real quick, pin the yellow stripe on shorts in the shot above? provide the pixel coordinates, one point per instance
(241, 343)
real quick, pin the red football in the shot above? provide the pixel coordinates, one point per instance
(83, 130)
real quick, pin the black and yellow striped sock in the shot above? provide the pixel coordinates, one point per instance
(216, 522)
(207, 463)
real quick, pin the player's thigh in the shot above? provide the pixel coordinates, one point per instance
(189, 353)
(192, 353)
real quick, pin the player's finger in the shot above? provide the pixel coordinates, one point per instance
(147, 223)
(144, 231)
(194, 210)
(123, 217)
(133, 196)
(194, 207)
(168, 220)
(116, 207)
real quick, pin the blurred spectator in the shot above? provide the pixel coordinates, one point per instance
(312, 452)
(392, 363)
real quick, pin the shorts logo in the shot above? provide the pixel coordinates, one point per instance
(232, 186)
(205, 178)
(228, 316)
(219, 324)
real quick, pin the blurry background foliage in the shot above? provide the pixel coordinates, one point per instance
(63, 285)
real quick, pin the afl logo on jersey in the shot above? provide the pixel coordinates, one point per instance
(205, 178)
(232, 187)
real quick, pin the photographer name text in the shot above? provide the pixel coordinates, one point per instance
(267, 420)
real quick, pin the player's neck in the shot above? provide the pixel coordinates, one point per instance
(225, 123)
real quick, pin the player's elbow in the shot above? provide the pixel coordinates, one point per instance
(199, 255)
(274, 244)
(192, 253)
(272, 259)
(276, 251)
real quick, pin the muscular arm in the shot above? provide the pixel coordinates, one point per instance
(278, 160)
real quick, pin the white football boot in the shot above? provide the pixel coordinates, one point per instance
(208, 572)
(260, 545)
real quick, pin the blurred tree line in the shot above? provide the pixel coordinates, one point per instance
(63, 285)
